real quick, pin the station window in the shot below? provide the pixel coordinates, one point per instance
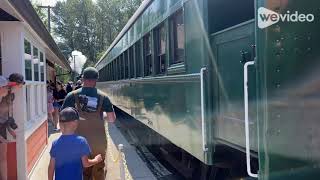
(138, 59)
(147, 55)
(42, 66)
(28, 59)
(160, 62)
(177, 37)
(126, 65)
(36, 63)
(131, 63)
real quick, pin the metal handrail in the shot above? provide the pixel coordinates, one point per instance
(204, 139)
(246, 116)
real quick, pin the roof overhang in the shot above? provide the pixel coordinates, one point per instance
(26, 13)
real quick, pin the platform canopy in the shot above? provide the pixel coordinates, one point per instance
(22, 10)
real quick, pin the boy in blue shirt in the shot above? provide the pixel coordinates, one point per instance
(69, 154)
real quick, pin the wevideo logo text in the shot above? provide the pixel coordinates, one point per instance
(267, 17)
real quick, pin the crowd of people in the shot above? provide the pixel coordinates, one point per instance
(56, 93)
(79, 153)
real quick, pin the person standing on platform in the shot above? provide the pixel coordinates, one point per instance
(50, 101)
(92, 104)
(59, 95)
(69, 87)
(70, 152)
(78, 85)
(7, 123)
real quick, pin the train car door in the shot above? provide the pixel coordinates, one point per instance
(288, 66)
(233, 48)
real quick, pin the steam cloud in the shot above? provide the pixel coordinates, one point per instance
(80, 60)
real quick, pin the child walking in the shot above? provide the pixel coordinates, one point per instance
(70, 153)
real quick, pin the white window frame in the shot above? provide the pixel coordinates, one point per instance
(38, 94)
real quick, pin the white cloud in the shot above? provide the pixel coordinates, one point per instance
(80, 60)
(50, 2)
(46, 2)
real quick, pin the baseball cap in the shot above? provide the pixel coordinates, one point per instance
(3, 81)
(69, 114)
(17, 78)
(90, 73)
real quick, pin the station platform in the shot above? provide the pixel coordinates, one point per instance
(134, 167)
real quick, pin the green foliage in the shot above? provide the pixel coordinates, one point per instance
(62, 75)
(41, 12)
(90, 27)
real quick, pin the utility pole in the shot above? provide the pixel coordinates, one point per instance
(49, 16)
(74, 68)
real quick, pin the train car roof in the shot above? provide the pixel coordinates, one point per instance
(25, 9)
(131, 21)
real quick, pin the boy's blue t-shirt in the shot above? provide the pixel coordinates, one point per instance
(67, 152)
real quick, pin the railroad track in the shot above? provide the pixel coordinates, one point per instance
(161, 169)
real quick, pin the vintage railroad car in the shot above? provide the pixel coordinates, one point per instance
(235, 90)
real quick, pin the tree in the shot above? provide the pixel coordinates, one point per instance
(88, 27)
(40, 12)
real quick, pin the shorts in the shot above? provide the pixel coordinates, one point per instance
(56, 105)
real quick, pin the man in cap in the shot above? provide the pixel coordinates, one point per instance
(7, 123)
(92, 104)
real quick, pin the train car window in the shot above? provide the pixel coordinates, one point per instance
(28, 61)
(126, 64)
(123, 66)
(147, 55)
(131, 63)
(35, 60)
(112, 70)
(115, 71)
(101, 74)
(177, 37)
(160, 62)
(223, 16)
(119, 67)
(138, 59)
(107, 73)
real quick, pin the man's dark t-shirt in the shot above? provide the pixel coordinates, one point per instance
(90, 92)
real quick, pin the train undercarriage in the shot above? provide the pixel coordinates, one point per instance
(230, 162)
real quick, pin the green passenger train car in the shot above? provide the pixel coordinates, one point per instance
(234, 84)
